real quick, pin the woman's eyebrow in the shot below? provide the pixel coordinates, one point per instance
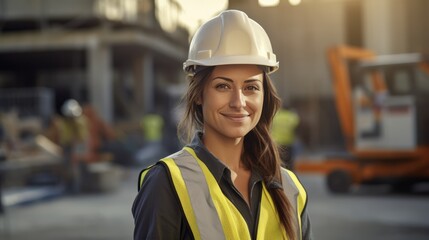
(252, 80)
(223, 78)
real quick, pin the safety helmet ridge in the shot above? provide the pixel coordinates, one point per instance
(230, 38)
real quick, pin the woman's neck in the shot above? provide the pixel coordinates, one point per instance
(227, 150)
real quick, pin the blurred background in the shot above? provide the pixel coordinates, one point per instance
(89, 93)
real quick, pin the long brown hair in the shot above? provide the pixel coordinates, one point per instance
(258, 142)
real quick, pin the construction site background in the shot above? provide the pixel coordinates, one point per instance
(121, 60)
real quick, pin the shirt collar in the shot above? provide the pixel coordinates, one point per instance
(216, 167)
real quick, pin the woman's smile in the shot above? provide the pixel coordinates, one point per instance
(236, 117)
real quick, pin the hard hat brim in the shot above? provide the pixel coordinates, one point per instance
(189, 65)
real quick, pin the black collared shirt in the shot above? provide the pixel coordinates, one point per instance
(157, 210)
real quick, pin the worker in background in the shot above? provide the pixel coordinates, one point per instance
(152, 125)
(100, 134)
(70, 131)
(283, 131)
(202, 191)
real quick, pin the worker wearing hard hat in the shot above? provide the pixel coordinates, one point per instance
(73, 128)
(70, 131)
(202, 191)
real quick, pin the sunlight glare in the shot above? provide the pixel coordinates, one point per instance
(268, 3)
(294, 2)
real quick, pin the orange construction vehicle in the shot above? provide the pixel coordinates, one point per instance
(382, 104)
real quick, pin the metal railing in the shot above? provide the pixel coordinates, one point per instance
(28, 102)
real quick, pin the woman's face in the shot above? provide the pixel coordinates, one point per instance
(232, 100)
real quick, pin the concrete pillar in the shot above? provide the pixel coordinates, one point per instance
(385, 26)
(418, 26)
(144, 86)
(99, 70)
(138, 91)
(149, 81)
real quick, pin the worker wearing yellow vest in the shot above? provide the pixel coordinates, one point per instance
(70, 131)
(227, 182)
(283, 132)
(152, 125)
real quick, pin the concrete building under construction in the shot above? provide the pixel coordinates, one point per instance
(114, 55)
(125, 57)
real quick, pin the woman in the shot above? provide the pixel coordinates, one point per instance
(227, 183)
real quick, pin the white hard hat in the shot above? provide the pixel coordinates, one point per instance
(230, 38)
(71, 108)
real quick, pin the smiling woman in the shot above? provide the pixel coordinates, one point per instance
(227, 183)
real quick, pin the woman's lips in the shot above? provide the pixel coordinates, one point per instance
(236, 117)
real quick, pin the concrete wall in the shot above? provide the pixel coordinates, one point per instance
(396, 26)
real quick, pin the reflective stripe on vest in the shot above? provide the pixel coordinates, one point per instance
(296, 196)
(211, 215)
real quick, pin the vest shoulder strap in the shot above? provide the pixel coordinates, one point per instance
(297, 197)
(302, 196)
(142, 175)
(143, 172)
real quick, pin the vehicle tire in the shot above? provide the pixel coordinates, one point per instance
(339, 181)
(402, 187)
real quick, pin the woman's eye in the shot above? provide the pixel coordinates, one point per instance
(252, 88)
(222, 86)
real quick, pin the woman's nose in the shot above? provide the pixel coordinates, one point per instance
(238, 100)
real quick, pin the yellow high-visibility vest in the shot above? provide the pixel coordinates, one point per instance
(284, 125)
(152, 125)
(211, 215)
